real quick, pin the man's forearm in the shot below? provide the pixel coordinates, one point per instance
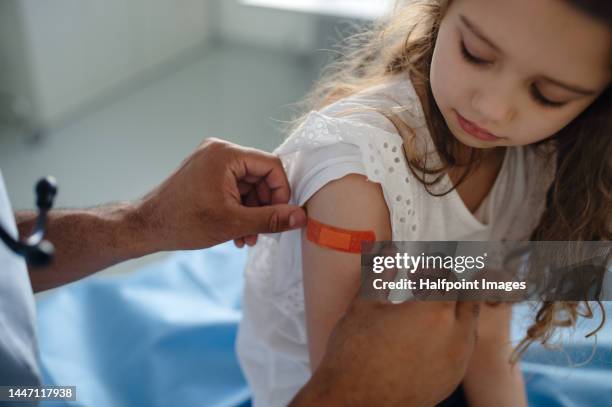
(87, 240)
(320, 390)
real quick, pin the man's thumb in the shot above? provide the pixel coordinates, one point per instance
(272, 218)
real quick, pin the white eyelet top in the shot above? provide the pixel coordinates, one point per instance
(349, 137)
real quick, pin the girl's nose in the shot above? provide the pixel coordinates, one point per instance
(494, 104)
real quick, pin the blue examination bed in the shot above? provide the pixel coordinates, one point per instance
(164, 335)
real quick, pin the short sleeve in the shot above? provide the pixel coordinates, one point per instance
(326, 148)
(315, 168)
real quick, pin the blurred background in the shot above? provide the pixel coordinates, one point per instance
(110, 95)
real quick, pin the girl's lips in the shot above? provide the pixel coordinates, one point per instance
(474, 130)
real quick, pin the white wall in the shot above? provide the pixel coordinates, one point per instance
(265, 27)
(14, 68)
(66, 55)
(79, 50)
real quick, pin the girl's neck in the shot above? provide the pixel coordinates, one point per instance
(479, 182)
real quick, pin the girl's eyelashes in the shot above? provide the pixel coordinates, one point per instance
(471, 58)
(536, 94)
(541, 99)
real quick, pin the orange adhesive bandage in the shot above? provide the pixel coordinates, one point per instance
(338, 239)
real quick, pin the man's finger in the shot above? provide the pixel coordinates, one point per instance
(264, 193)
(250, 240)
(244, 188)
(271, 219)
(251, 199)
(268, 167)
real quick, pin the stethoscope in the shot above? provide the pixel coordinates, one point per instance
(35, 250)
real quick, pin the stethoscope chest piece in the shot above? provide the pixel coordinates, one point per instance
(37, 251)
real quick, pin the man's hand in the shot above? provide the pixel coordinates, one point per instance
(410, 354)
(221, 192)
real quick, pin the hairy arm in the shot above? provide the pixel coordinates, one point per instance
(490, 378)
(87, 240)
(331, 278)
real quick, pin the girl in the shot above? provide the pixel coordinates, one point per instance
(455, 120)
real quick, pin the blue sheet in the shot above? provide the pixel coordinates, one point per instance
(161, 336)
(165, 335)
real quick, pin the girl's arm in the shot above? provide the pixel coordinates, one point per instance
(331, 278)
(490, 379)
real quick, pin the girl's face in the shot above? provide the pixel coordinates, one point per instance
(518, 70)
